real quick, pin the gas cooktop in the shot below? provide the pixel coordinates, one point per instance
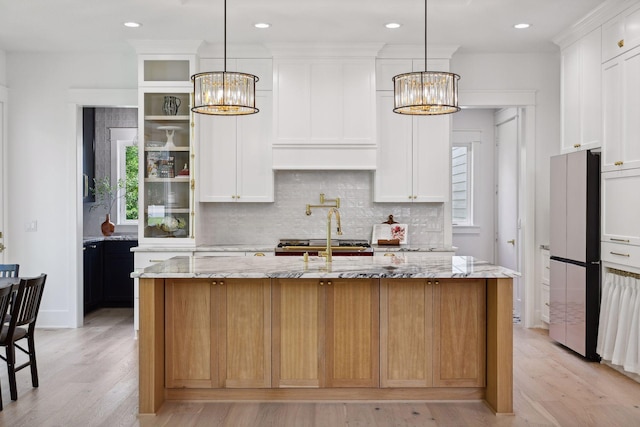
(283, 243)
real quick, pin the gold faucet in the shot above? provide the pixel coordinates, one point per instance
(336, 204)
(333, 210)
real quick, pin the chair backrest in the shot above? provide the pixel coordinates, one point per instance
(9, 270)
(25, 305)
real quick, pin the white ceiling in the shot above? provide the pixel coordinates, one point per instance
(474, 25)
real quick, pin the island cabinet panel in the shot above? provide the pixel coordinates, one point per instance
(325, 333)
(298, 333)
(218, 333)
(406, 333)
(459, 333)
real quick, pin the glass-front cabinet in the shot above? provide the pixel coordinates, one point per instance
(166, 184)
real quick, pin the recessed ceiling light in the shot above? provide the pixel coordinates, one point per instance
(132, 24)
(392, 25)
(262, 25)
(521, 26)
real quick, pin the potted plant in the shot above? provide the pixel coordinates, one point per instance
(106, 196)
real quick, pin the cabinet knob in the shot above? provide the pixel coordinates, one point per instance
(329, 283)
(437, 282)
(233, 196)
(547, 304)
(389, 254)
(576, 145)
(410, 197)
(621, 43)
(221, 283)
(321, 283)
(237, 196)
(214, 283)
(258, 254)
(613, 239)
(619, 163)
(619, 254)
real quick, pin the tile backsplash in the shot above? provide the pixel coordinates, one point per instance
(265, 223)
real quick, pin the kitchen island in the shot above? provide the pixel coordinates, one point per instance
(360, 328)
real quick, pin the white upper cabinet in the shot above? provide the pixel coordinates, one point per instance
(581, 95)
(324, 113)
(621, 33)
(235, 156)
(259, 67)
(414, 156)
(621, 115)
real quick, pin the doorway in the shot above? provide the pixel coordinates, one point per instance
(508, 241)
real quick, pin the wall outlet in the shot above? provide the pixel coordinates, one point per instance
(31, 226)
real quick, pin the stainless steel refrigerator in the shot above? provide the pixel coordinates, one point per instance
(574, 293)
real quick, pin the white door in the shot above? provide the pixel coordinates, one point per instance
(507, 239)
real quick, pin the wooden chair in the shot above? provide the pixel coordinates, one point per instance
(9, 270)
(5, 297)
(24, 311)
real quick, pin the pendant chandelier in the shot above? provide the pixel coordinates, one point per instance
(224, 93)
(425, 92)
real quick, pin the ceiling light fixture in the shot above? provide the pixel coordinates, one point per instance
(262, 25)
(392, 25)
(224, 93)
(522, 26)
(425, 92)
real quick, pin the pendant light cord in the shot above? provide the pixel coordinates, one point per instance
(225, 36)
(425, 35)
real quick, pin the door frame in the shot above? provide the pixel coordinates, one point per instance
(501, 117)
(525, 101)
(77, 99)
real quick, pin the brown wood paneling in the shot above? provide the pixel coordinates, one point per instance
(151, 346)
(500, 345)
(188, 333)
(245, 336)
(459, 333)
(298, 328)
(406, 333)
(352, 334)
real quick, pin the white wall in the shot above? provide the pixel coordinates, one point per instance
(3, 68)
(478, 240)
(43, 169)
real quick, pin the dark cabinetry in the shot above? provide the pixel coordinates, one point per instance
(92, 256)
(107, 267)
(117, 283)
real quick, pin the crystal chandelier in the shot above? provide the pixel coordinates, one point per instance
(224, 93)
(425, 92)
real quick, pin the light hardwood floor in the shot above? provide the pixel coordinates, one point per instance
(88, 377)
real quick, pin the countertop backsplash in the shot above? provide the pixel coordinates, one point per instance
(265, 223)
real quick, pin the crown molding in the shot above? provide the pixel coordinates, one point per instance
(417, 51)
(594, 19)
(300, 50)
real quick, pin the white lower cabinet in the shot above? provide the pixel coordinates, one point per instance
(235, 156)
(414, 156)
(544, 285)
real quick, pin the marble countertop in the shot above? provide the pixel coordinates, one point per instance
(413, 248)
(116, 237)
(264, 247)
(341, 267)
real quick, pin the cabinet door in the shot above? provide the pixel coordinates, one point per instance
(352, 333)
(459, 333)
(190, 340)
(631, 108)
(217, 159)
(394, 174)
(406, 333)
(254, 169)
(118, 284)
(612, 114)
(620, 210)
(93, 283)
(570, 95)
(432, 159)
(244, 333)
(591, 90)
(298, 332)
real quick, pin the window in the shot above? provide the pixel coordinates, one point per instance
(461, 177)
(127, 161)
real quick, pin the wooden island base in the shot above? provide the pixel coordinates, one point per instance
(326, 339)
